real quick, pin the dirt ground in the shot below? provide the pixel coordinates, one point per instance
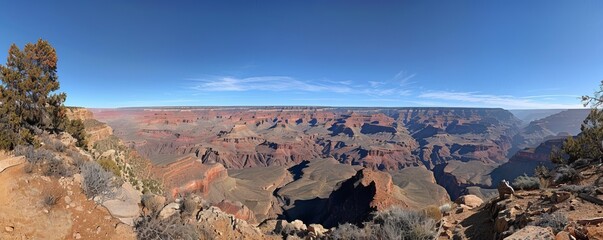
(24, 214)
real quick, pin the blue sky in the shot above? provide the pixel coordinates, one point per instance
(510, 54)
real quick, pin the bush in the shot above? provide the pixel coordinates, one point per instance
(433, 212)
(152, 202)
(28, 168)
(564, 174)
(587, 145)
(151, 228)
(97, 181)
(77, 158)
(349, 231)
(51, 197)
(55, 167)
(189, 205)
(526, 182)
(397, 223)
(77, 131)
(556, 221)
(33, 156)
(53, 144)
(578, 189)
(110, 166)
(444, 209)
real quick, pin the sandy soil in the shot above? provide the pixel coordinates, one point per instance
(24, 215)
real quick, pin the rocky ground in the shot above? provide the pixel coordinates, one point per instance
(24, 214)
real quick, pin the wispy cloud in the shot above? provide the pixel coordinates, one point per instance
(153, 103)
(266, 83)
(475, 99)
(397, 86)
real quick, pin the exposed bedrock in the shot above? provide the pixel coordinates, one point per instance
(384, 139)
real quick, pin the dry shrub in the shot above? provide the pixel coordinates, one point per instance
(152, 202)
(526, 182)
(556, 221)
(55, 167)
(397, 223)
(445, 208)
(28, 168)
(51, 196)
(151, 228)
(97, 181)
(433, 212)
(349, 231)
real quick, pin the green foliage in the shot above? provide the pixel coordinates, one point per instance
(28, 94)
(112, 142)
(588, 144)
(76, 129)
(110, 166)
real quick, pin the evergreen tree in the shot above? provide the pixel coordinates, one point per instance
(28, 97)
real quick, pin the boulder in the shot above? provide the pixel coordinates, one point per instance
(124, 205)
(169, 210)
(298, 225)
(470, 200)
(532, 233)
(563, 236)
(316, 230)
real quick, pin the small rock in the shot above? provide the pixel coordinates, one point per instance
(98, 230)
(9, 228)
(67, 199)
(560, 196)
(77, 235)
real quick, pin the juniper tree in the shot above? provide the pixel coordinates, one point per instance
(28, 97)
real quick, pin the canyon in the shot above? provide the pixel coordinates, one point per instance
(309, 163)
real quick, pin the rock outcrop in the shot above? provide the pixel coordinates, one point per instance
(357, 197)
(532, 233)
(386, 139)
(220, 225)
(124, 205)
